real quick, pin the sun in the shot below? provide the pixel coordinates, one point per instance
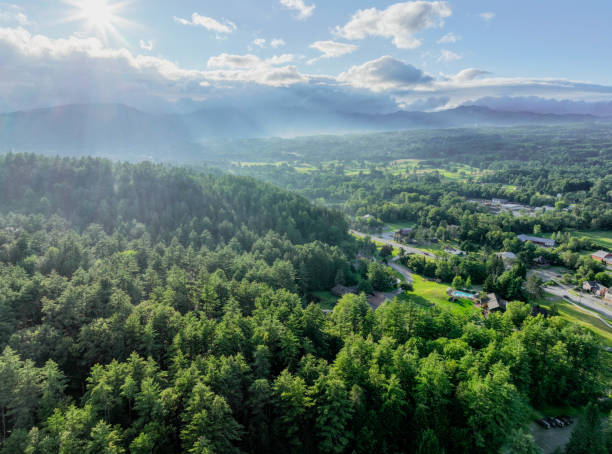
(99, 17)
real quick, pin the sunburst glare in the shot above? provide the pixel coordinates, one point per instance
(99, 17)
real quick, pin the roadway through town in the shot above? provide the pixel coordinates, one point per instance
(563, 291)
(586, 301)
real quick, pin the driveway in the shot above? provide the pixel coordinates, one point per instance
(401, 269)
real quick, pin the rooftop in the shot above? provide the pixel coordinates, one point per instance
(536, 239)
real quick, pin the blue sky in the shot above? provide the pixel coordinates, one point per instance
(412, 55)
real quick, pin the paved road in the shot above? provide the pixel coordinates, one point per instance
(401, 269)
(595, 314)
(582, 299)
(380, 239)
(587, 301)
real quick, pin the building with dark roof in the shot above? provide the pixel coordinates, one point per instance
(545, 242)
(494, 303)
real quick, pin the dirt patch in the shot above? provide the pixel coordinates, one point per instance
(549, 440)
(376, 299)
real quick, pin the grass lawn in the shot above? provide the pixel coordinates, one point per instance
(398, 275)
(395, 226)
(434, 248)
(582, 317)
(327, 299)
(304, 168)
(353, 172)
(602, 238)
(429, 292)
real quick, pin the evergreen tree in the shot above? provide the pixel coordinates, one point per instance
(587, 437)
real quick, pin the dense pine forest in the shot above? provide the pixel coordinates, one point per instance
(152, 309)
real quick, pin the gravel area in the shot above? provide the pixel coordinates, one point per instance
(549, 439)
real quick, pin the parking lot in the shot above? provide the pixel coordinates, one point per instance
(550, 439)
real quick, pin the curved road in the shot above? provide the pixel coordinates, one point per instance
(401, 269)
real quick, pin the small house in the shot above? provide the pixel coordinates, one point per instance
(539, 260)
(494, 303)
(402, 234)
(602, 256)
(594, 287)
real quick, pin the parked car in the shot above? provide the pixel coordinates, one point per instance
(543, 423)
(567, 419)
(552, 422)
(560, 423)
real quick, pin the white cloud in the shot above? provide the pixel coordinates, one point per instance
(447, 56)
(449, 38)
(384, 73)
(400, 21)
(488, 16)
(470, 84)
(332, 49)
(260, 42)
(304, 11)
(280, 59)
(250, 68)
(264, 75)
(469, 74)
(146, 45)
(13, 14)
(82, 70)
(233, 61)
(208, 23)
(277, 42)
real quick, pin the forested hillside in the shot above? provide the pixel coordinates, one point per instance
(146, 309)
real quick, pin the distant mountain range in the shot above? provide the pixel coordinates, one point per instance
(117, 130)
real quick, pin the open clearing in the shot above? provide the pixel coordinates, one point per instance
(427, 292)
(602, 238)
(327, 299)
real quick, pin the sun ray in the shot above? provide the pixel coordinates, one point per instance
(99, 17)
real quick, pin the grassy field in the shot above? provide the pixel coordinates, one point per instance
(304, 168)
(398, 168)
(602, 238)
(428, 292)
(582, 317)
(394, 226)
(415, 166)
(327, 299)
